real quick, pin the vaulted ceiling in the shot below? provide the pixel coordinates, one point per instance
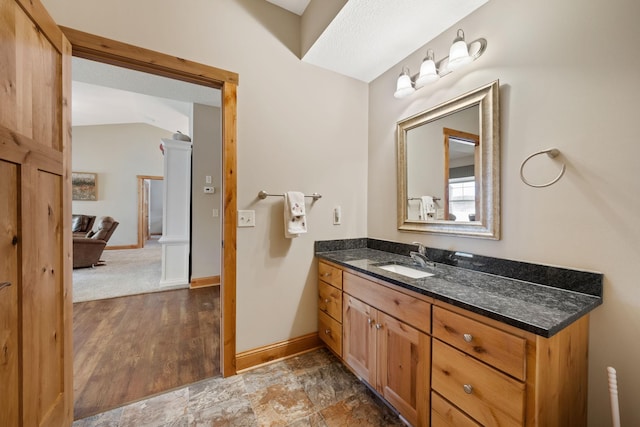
(363, 40)
(367, 37)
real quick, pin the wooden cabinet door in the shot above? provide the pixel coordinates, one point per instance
(404, 368)
(35, 236)
(359, 338)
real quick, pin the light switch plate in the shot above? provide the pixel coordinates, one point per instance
(246, 218)
(337, 215)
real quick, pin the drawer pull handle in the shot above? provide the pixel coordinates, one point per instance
(468, 337)
(5, 285)
(327, 331)
(326, 274)
(468, 388)
(326, 300)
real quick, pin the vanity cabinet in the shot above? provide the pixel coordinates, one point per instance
(441, 365)
(330, 306)
(385, 343)
(490, 374)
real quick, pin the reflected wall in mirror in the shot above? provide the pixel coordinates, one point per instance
(448, 167)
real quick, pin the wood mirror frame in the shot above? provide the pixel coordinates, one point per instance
(488, 166)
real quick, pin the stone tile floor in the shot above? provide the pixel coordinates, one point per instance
(313, 389)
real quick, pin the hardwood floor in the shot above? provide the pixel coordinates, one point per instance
(133, 347)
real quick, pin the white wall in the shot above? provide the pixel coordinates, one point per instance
(299, 128)
(568, 79)
(206, 242)
(117, 153)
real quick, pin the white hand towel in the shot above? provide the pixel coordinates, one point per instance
(295, 221)
(422, 212)
(428, 206)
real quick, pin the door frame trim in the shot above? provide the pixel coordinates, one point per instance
(97, 48)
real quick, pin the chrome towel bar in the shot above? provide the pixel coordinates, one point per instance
(263, 195)
(435, 199)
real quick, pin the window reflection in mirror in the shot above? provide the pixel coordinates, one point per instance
(462, 190)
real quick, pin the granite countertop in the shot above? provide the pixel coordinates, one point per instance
(541, 309)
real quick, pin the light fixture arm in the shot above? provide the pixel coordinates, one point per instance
(459, 36)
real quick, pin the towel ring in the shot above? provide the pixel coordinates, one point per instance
(552, 153)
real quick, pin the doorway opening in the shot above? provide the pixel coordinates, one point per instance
(149, 208)
(115, 53)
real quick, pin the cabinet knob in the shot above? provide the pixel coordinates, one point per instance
(468, 337)
(326, 300)
(378, 326)
(327, 331)
(369, 321)
(468, 388)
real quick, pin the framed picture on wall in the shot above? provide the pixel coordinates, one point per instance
(84, 186)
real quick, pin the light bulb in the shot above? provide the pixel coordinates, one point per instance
(428, 73)
(459, 53)
(404, 86)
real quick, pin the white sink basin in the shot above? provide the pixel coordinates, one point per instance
(414, 273)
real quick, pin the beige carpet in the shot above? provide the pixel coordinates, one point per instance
(126, 272)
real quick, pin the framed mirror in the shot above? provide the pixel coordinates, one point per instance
(449, 167)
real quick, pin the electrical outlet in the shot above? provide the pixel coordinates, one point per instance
(207, 179)
(216, 213)
(246, 218)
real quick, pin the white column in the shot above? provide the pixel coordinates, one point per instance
(175, 218)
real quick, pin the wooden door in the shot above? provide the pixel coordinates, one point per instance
(36, 370)
(9, 294)
(359, 338)
(404, 368)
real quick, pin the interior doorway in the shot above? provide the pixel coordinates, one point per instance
(115, 53)
(149, 216)
(100, 49)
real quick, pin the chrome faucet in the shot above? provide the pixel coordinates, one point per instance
(422, 250)
(420, 257)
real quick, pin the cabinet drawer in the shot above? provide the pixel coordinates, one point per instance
(410, 310)
(489, 396)
(497, 348)
(330, 274)
(330, 300)
(330, 331)
(444, 414)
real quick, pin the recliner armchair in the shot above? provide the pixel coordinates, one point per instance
(81, 225)
(87, 250)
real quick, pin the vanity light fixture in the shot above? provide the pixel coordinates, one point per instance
(460, 54)
(428, 73)
(404, 87)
